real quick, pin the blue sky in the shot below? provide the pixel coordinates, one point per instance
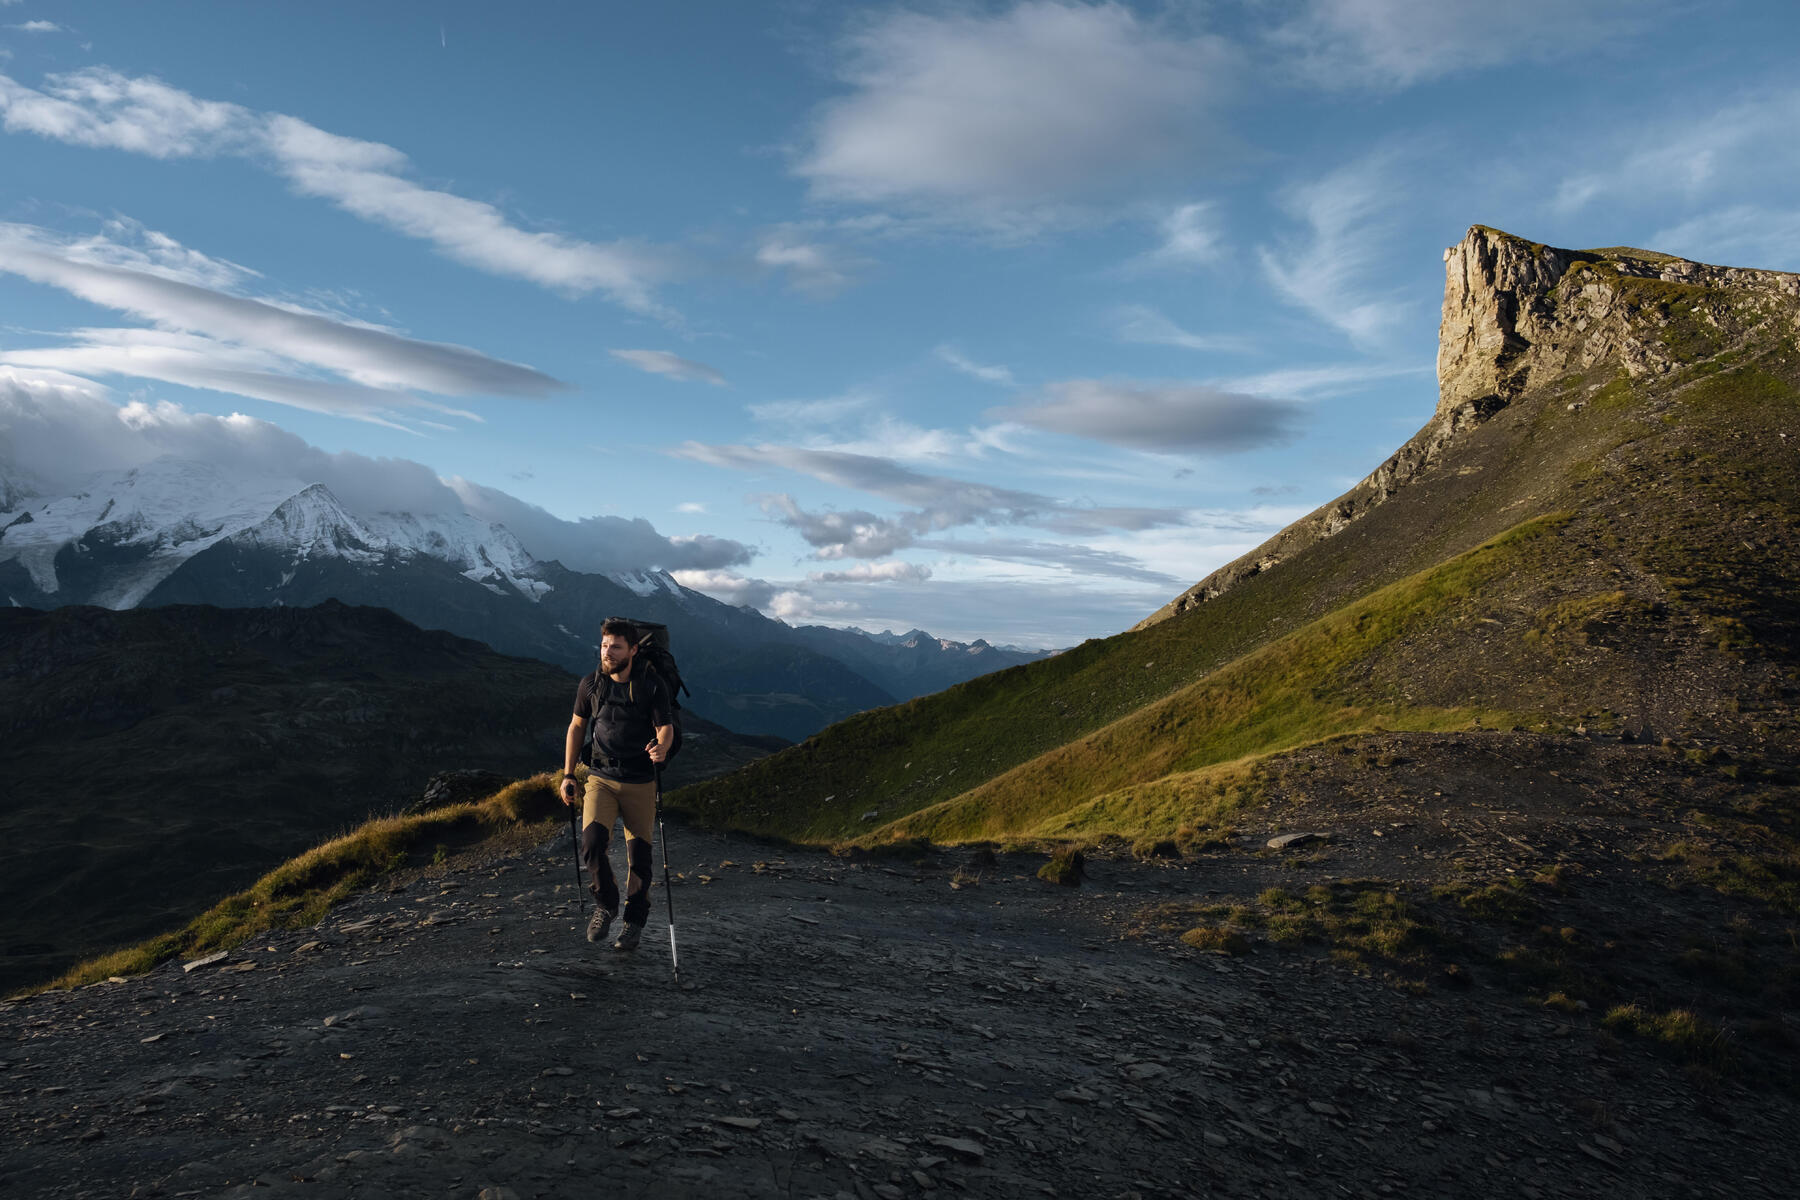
(1002, 320)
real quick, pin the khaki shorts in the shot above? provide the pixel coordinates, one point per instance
(607, 800)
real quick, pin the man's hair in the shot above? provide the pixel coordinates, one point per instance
(619, 627)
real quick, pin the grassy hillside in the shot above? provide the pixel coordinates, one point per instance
(1653, 524)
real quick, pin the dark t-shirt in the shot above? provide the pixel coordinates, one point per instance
(629, 715)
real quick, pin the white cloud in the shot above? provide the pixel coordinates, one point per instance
(1076, 560)
(205, 337)
(690, 506)
(1334, 379)
(1191, 238)
(56, 431)
(892, 571)
(38, 27)
(1168, 417)
(937, 502)
(1740, 153)
(1390, 44)
(661, 362)
(729, 586)
(809, 414)
(797, 608)
(812, 268)
(1330, 269)
(143, 115)
(1143, 324)
(998, 375)
(1043, 103)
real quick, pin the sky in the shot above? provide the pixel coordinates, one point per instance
(1002, 320)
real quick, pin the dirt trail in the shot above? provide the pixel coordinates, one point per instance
(841, 1030)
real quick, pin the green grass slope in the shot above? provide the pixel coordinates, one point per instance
(1659, 601)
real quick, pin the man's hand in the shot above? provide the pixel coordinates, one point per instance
(656, 751)
(569, 791)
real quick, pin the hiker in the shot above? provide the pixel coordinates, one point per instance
(632, 735)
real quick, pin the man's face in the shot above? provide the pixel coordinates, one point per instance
(615, 652)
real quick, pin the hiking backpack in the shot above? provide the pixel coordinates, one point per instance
(653, 655)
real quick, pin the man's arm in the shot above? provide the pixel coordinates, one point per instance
(571, 755)
(665, 738)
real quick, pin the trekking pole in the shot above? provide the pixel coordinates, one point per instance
(668, 891)
(575, 838)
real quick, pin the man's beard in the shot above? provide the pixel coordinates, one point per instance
(613, 665)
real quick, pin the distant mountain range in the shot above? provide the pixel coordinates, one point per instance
(177, 531)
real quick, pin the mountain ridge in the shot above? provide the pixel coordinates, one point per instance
(181, 532)
(1503, 328)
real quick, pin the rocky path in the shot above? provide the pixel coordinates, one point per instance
(839, 1030)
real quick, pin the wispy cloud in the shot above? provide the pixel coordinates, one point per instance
(1192, 237)
(1716, 181)
(143, 115)
(813, 268)
(808, 414)
(1330, 268)
(37, 27)
(206, 337)
(892, 571)
(936, 502)
(1333, 379)
(1079, 560)
(1393, 44)
(1045, 102)
(661, 362)
(998, 375)
(1143, 324)
(1161, 416)
(1722, 152)
(1745, 235)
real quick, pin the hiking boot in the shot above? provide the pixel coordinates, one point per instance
(629, 937)
(599, 923)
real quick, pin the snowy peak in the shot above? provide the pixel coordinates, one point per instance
(649, 583)
(313, 524)
(130, 530)
(487, 554)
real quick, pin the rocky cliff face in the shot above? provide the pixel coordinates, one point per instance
(1518, 316)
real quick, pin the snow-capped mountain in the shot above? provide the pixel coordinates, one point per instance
(141, 524)
(182, 532)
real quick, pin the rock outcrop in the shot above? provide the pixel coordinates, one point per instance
(1519, 315)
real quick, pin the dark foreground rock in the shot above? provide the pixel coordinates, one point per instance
(860, 1030)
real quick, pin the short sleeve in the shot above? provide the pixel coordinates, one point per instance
(660, 709)
(584, 697)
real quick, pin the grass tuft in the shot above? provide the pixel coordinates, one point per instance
(1066, 867)
(303, 890)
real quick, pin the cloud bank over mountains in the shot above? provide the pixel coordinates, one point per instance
(60, 430)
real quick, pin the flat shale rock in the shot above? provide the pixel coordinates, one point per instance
(905, 1040)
